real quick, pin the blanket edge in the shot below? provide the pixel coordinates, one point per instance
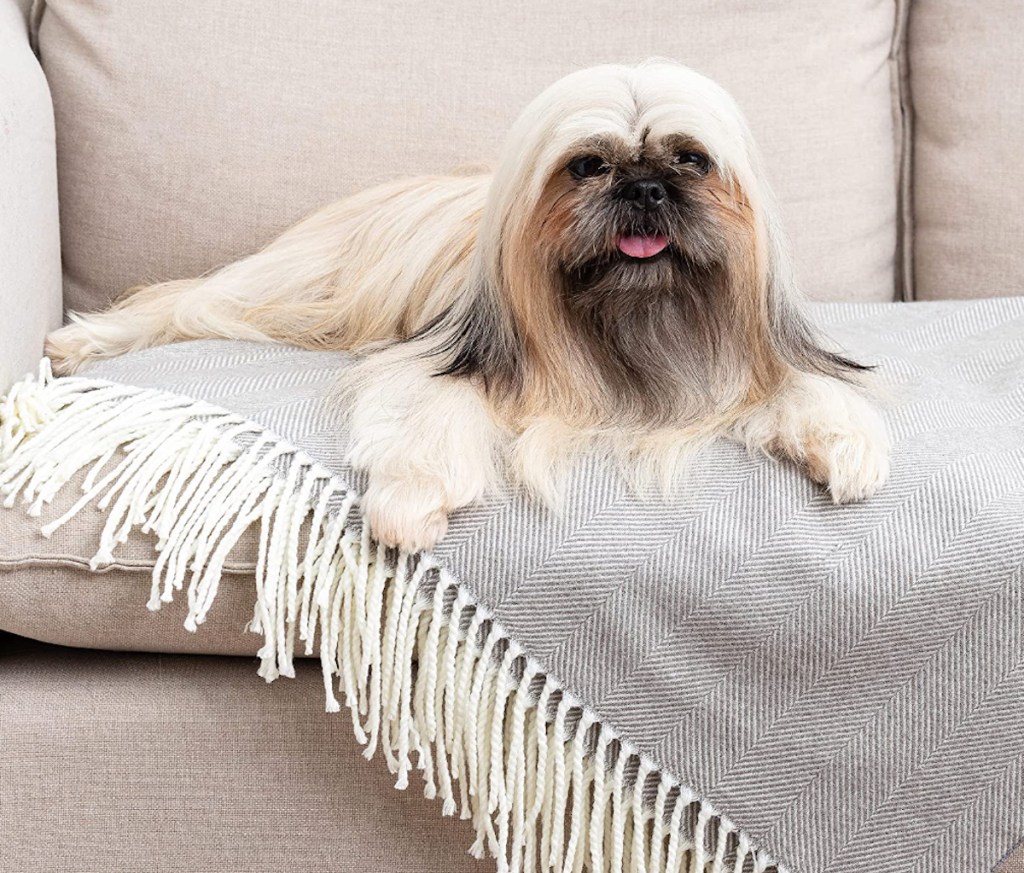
(423, 668)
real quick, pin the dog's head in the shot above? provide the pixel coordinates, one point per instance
(629, 256)
(638, 194)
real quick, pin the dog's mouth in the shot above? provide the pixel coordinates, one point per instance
(641, 245)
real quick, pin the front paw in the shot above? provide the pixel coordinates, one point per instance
(408, 514)
(852, 463)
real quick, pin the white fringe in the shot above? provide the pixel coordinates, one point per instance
(423, 669)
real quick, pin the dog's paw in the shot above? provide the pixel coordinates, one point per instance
(829, 429)
(853, 464)
(411, 515)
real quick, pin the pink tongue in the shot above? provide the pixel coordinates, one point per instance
(642, 246)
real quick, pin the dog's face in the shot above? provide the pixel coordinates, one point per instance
(622, 224)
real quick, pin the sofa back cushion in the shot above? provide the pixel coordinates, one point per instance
(967, 81)
(191, 133)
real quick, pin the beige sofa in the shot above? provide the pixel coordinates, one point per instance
(180, 136)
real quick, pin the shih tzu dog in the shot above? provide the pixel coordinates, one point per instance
(619, 284)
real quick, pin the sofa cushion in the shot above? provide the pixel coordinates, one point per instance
(191, 133)
(124, 763)
(105, 609)
(967, 81)
(1014, 863)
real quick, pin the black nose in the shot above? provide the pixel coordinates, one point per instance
(645, 193)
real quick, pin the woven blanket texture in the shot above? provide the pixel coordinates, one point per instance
(843, 685)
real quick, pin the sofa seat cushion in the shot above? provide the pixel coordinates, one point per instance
(749, 641)
(130, 762)
(192, 133)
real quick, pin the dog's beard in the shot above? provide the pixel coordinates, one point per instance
(654, 327)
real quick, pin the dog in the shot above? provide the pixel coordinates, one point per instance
(619, 284)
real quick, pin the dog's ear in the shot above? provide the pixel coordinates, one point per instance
(475, 338)
(792, 337)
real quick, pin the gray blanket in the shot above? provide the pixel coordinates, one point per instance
(845, 683)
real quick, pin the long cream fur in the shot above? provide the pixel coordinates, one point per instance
(396, 271)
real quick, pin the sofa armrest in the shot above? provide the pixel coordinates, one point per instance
(30, 274)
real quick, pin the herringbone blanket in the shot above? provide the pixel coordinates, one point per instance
(842, 687)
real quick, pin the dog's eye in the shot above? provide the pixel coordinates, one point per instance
(695, 161)
(587, 166)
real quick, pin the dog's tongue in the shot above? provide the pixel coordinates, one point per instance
(642, 246)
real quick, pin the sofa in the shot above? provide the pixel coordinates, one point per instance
(144, 141)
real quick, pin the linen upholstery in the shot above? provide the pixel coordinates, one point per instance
(47, 592)
(128, 763)
(30, 276)
(1014, 863)
(191, 134)
(70, 605)
(845, 683)
(968, 93)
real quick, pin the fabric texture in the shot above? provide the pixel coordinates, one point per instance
(191, 134)
(968, 91)
(845, 683)
(30, 273)
(101, 610)
(128, 763)
(1014, 863)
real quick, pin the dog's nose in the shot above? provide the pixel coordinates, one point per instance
(645, 193)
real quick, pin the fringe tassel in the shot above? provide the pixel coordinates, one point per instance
(422, 668)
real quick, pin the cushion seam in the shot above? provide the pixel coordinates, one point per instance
(903, 120)
(35, 18)
(74, 561)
